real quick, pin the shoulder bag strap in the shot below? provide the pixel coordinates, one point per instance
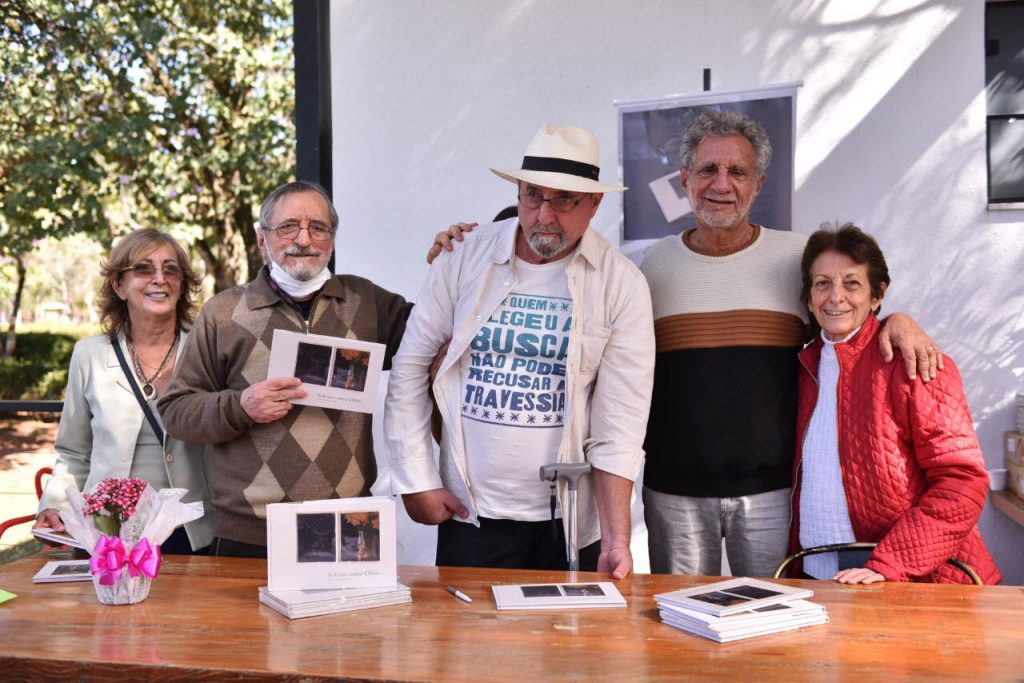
(153, 422)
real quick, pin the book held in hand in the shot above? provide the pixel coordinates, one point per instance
(558, 596)
(338, 373)
(62, 538)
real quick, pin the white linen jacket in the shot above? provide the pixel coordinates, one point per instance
(609, 368)
(99, 427)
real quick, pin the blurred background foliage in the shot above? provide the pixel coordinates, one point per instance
(177, 115)
(39, 368)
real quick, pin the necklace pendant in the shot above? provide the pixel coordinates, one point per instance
(148, 389)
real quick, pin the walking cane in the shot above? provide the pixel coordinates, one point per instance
(571, 473)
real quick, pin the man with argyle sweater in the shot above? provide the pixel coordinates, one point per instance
(265, 449)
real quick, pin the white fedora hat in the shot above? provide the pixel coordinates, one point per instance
(562, 159)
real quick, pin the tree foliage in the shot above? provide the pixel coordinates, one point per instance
(175, 114)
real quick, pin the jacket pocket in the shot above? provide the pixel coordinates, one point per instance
(595, 338)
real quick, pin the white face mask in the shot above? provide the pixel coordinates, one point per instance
(298, 289)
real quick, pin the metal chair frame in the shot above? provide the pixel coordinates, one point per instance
(860, 545)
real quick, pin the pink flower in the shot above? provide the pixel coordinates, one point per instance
(115, 497)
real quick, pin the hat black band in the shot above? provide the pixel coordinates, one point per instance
(577, 168)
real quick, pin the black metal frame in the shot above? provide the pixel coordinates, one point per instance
(1015, 199)
(992, 48)
(313, 91)
(863, 545)
(31, 407)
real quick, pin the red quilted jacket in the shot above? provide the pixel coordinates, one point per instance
(912, 469)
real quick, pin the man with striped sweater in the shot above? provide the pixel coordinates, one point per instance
(728, 325)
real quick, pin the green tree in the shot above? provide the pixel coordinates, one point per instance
(165, 113)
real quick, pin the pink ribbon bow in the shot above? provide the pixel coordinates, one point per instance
(107, 559)
(144, 559)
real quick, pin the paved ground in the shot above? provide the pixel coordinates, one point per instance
(25, 446)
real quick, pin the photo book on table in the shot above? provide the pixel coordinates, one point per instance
(331, 544)
(557, 595)
(60, 571)
(732, 595)
(773, 618)
(338, 373)
(312, 603)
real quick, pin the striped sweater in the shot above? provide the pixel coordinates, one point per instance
(728, 329)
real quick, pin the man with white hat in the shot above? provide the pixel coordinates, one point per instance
(551, 360)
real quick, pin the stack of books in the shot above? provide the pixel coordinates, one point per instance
(311, 603)
(739, 608)
(327, 556)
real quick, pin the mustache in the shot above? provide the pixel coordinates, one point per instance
(300, 251)
(548, 227)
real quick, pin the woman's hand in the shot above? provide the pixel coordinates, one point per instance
(49, 519)
(443, 239)
(858, 575)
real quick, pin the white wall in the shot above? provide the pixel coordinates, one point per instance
(891, 134)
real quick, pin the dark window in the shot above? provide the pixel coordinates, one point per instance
(1004, 75)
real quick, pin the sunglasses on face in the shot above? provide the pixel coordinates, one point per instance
(147, 271)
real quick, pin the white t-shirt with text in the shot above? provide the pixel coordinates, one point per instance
(513, 398)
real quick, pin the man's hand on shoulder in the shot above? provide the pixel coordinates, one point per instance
(920, 353)
(445, 239)
(617, 560)
(270, 399)
(434, 506)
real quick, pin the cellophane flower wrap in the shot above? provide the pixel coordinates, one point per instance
(126, 560)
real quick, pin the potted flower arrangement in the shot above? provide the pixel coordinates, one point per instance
(113, 502)
(122, 523)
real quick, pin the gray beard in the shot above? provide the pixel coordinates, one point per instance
(545, 246)
(301, 272)
(723, 222)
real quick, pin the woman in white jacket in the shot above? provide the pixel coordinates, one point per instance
(110, 428)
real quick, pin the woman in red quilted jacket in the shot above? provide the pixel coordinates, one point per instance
(880, 458)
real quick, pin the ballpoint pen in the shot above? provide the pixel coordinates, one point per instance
(459, 594)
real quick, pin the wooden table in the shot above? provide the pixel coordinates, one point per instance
(202, 620)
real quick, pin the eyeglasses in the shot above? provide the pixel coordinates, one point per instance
(535, 200)
(147, 271)
(317, 231)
